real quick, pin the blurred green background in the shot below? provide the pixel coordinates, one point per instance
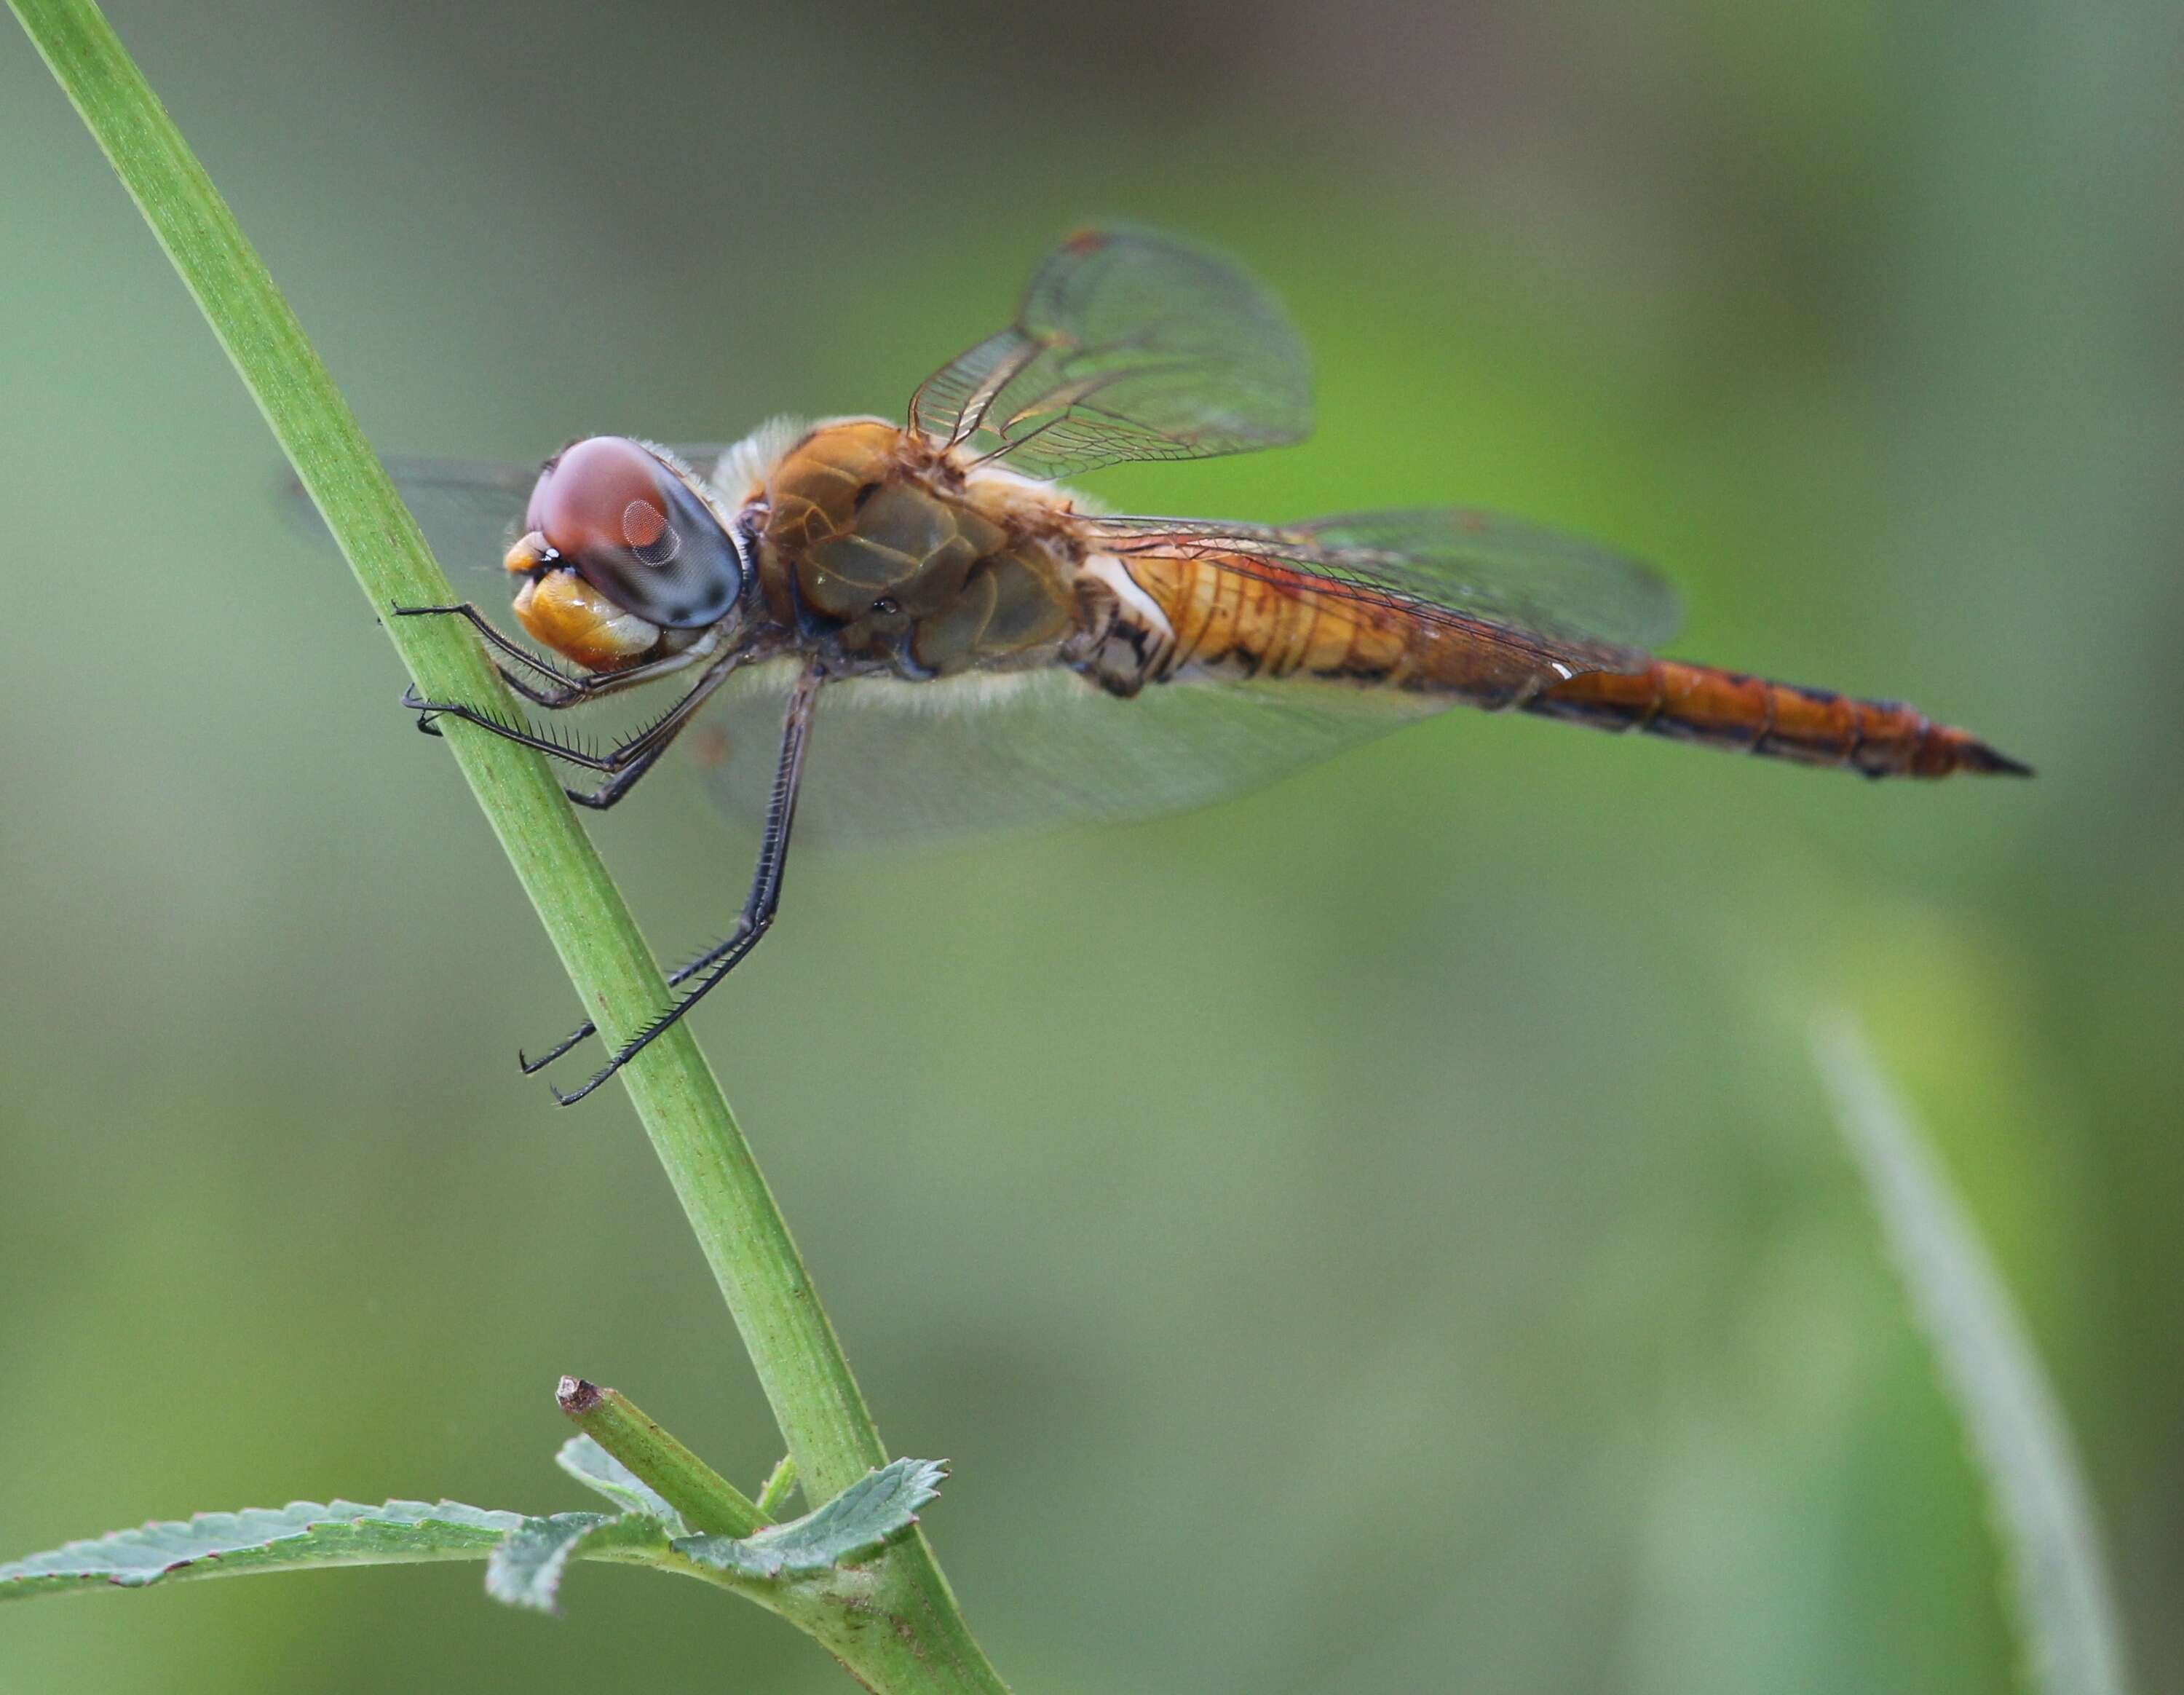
(1380, 1234)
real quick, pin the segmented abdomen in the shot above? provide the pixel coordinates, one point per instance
(1246, 614)
(1726, 709)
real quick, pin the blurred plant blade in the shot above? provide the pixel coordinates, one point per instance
(597, 1469)
(2062, 1603)
(525, 1569)
(860, 1520)
(301, 1534)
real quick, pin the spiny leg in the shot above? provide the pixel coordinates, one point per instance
(614, 760)
(682, 974)
(608, 763)
(758, 906)
(612, 792)
(569, 690)
(495, 639)
(656, 738)
(622, 764)
(583, 690)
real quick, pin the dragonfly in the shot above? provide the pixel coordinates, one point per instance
(957, 641)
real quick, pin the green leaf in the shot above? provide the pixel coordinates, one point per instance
(861, 1520)
(2063, 1604)
(301, 1534)
(597, 1469)
(525, 1569)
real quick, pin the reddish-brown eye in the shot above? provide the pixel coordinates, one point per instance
(632, 529)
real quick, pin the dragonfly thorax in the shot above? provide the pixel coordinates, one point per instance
(903, 559)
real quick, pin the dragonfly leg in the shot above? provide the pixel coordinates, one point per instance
(608, 763)
(682, 974)
(643, 749)
(499, 642)
(622, 765)
(566, 690)
(760, 905)
(610, 793)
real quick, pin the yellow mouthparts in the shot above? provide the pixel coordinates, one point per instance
(528, 555)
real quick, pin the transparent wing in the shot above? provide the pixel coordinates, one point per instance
(470, 511)
(1441, 564)
(1016, 750)
(893, 761)
(1129, 345)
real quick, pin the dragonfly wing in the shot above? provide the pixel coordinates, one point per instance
(470, 511)
(1571, 598)
(1128, 345)
(1520, 573)
(1002, 750)
(1011, 751)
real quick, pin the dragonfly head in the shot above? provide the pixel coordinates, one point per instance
(621, 552)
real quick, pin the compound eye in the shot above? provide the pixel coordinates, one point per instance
(631, 528)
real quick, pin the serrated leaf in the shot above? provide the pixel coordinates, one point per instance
(597, 1470)
(2063, 1608)
(872, 1511)
(525, 1569)
(301, 1534)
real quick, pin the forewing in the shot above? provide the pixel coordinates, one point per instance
(1576, 601)
(894, 760)
(470, 511)
(1129, 345)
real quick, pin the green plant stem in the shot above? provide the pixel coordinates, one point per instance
(800, 1364)
(707, 1501)
(774, 1493)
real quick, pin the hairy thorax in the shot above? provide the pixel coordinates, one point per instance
(912, 561)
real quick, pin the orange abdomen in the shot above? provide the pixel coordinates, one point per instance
(1726, 709)
(1250, 614)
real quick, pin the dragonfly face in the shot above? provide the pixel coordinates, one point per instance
(622, 556)
(993, 653)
